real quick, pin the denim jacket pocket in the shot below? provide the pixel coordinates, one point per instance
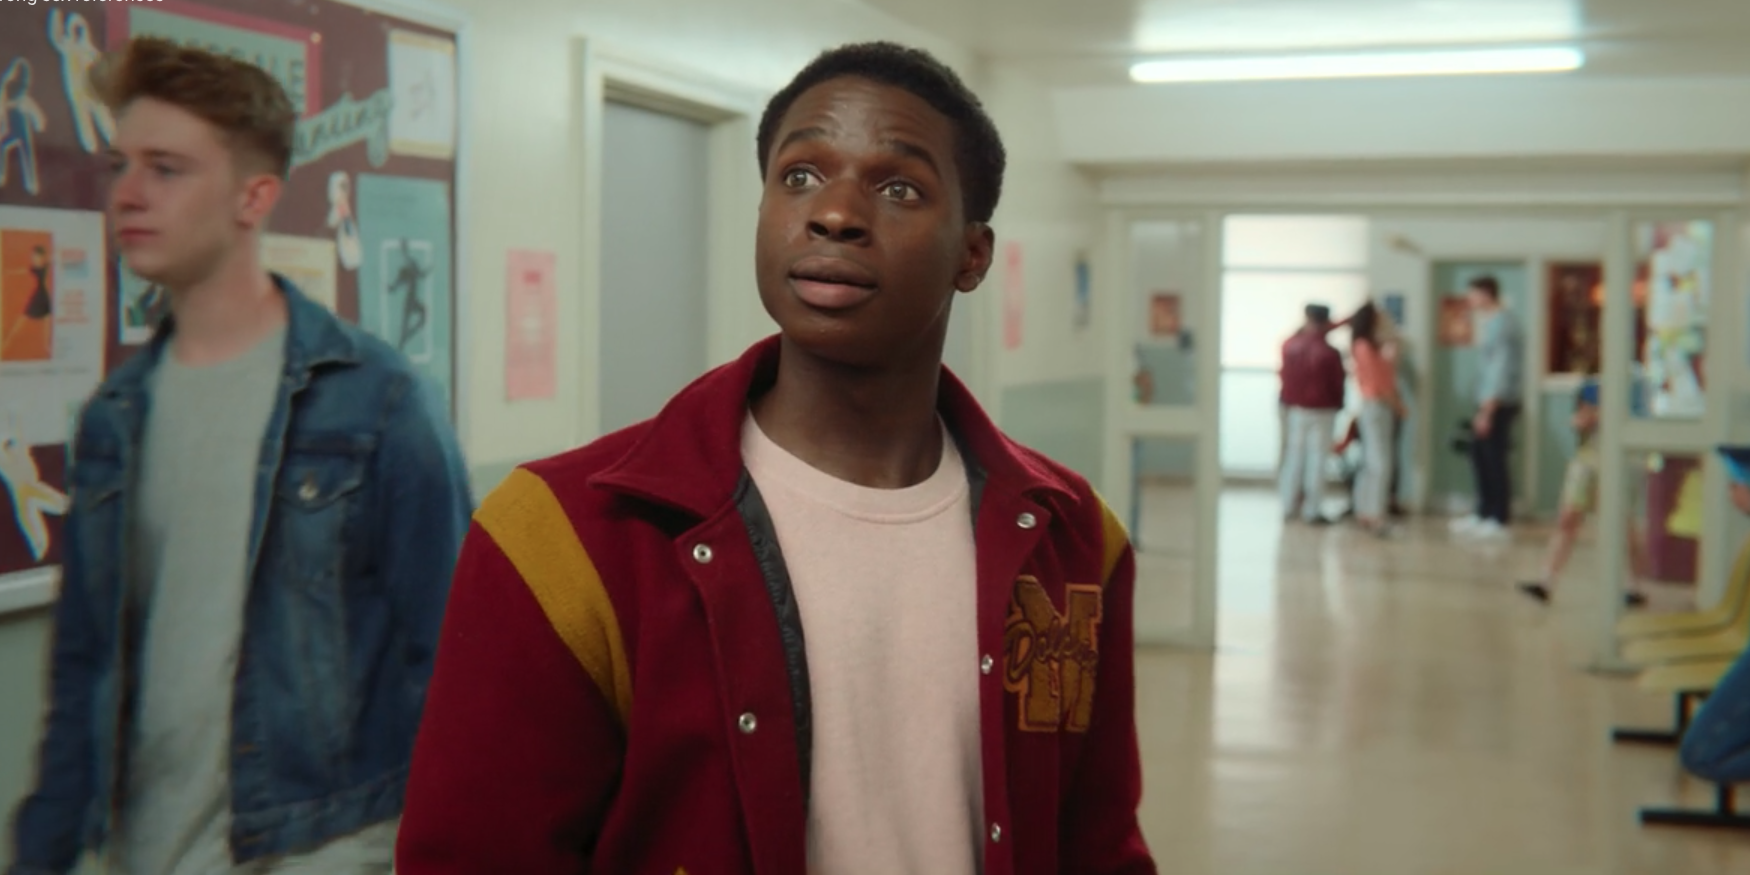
(316, 494)
(317, 539)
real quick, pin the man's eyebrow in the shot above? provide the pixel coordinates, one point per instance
(912, 150)
(892, 144)
(801, 135)
(115, 154)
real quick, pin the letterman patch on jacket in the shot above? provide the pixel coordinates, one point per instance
(1051, 658)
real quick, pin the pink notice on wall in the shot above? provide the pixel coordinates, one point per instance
(1014, 296)
(531, 298)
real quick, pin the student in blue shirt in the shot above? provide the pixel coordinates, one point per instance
(1501, 364)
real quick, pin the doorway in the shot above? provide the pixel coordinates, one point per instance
(655, 252)
(1452, 482)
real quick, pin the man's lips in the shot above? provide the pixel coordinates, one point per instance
(836, 271)
(134, 234)
(832, 283)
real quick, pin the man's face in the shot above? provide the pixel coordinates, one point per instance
(179, 203)
(863, 238)
(1480, 300)
(1741, 497)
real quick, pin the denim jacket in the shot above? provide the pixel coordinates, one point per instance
(361, 505)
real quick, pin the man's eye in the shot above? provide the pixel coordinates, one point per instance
(901, 191)
(797, 178)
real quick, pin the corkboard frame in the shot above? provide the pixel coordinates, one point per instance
(37, 588)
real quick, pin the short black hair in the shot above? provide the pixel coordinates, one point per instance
(978, 148)
(1488, 286)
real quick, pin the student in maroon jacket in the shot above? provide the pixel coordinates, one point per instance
(1313, 386)
(819, 614)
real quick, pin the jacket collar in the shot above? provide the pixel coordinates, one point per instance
(314, 337)
(690, 456)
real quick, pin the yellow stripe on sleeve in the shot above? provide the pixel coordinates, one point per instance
(1113, 539)
(526, 521)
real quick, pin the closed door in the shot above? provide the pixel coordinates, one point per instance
(1454, 378)
(654, 179)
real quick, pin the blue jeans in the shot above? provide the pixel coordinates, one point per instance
(1717, 745)
(1302, 480)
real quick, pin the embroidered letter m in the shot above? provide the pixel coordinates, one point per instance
(1051, 658)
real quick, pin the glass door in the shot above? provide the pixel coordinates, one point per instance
(1162, 455)
(1672, 344)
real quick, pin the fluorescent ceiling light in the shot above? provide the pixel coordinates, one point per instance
(1372, 64)
(1174, 27)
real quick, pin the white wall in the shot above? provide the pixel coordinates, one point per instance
(1052, 211)
(524, 164)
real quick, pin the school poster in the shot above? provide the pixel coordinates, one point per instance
(51, 359)
(422, 79)
(531, 346)
(404, 280)
(308, 262)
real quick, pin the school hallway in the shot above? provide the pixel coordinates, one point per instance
(1395, 708)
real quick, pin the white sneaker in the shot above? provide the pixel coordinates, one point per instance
(1489, 530)
(1465, 524)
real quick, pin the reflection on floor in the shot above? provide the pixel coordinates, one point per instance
(1392, 708)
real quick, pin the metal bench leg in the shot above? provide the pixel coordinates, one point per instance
(1656, 736)
(1724, 815)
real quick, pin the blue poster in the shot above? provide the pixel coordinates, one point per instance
(1394, 307)
(404, 280)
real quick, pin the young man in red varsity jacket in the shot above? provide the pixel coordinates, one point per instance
(819, 614)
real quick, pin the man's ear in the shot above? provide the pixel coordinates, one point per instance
(261, 192)
(980, 251)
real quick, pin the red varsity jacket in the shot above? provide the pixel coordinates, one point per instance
(621, 682)
(1312, 373)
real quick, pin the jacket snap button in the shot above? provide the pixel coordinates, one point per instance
(996, 833)
(986, 665)
(308, 490)
(702, 554)
(1027, 521)
(749, 723)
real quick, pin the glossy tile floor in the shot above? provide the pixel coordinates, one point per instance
(1394, 708)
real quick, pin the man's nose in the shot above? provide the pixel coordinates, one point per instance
(840, 214)
(126, 192)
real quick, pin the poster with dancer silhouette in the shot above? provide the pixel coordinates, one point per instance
(51, 313)
(51, 358)
(404, 280)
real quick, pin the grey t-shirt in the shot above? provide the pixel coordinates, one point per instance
(189, 546)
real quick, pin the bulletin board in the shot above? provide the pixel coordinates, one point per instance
(366, 225)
